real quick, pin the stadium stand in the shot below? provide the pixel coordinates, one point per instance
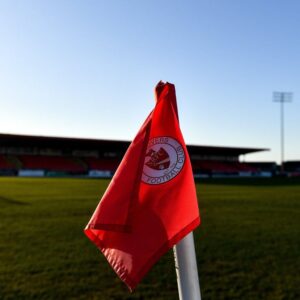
(265, 168)
(5, 164)
(7, 168)
(56, 156)
(292, 167)
(222, 167)
(102, 164)
(51, 163)
(245, 167)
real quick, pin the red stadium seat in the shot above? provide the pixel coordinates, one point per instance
(102, 164)
(51, 163)
(5, 164)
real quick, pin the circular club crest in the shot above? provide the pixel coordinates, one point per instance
(164, 160)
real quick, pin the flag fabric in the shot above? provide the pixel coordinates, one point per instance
(150, 203)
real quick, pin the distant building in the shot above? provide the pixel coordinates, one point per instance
(26, 155)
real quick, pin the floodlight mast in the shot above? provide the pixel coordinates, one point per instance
(282, 97)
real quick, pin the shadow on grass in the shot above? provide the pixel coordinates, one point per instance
(279, 181)
(5, 200)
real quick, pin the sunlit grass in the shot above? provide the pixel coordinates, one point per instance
(248, 246)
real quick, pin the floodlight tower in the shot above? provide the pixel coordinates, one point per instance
(282, 97)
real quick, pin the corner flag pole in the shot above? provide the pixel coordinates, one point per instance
(186, 264)
(186, 269)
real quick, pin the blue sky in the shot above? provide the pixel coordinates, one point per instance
(88, 69)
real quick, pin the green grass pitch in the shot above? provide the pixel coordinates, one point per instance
(248, 245)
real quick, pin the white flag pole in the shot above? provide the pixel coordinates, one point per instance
(186, 269)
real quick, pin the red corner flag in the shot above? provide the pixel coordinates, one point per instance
(151, 202)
